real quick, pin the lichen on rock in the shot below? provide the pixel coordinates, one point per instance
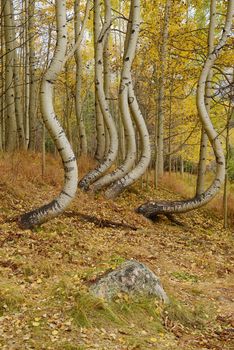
(132, 278)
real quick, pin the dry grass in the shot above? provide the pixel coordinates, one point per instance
(45, 272)
(185, 186)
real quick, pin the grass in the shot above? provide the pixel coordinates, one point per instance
(11, 297)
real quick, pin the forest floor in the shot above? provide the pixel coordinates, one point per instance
(45, 273)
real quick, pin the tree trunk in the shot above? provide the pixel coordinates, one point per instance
(93, 175)
(100, 127)
(57, 206)
(204, 139)
(9, 32)
(152, 208)
(32, 78)
(126, 80)
(163, 52)
(78, 59)
(145, 157)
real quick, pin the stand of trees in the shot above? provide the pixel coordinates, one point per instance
(81, 69)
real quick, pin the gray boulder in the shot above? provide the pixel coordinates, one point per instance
(131, 277)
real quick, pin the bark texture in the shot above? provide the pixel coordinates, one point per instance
(125, 82)
(48, 211)
(152, 208)
(93, 175)
(160, 131)
(204, 139)
(9, 34)
(78, 58)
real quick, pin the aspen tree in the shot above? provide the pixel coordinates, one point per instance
(9, 33)
(151, 209)
(78, 59)
(126, 80)
(100, 126)
(32, 111)
(105, 108)
(160, 123)
(56, 206)
(204, 139)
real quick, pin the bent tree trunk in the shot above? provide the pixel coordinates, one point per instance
(48, 211)
(125, 82)
(152, 208)
(93, 175)
(204, 139)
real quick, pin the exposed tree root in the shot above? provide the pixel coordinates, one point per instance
(99, 221)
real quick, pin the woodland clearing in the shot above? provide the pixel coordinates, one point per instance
(45, 273)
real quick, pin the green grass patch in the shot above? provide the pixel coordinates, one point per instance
(184, 276)
(11, 297)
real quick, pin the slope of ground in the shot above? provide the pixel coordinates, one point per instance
(45, 273)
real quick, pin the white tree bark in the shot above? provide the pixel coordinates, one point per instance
(57, 206)
(204, 139)
(126, 81)
(152, 208)
(100, 127)
(160, 132)
(145, 157)
(105, 109)
(80, 120)
(32, 78)
(9, 33)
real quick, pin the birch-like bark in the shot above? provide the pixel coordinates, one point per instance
(26, 73)
(9, 33)
(32, 78)
(145, 157)
(78, 101)
(204, 139)
(110, 124)
(152, 208)
(163, 54)
(227, 157)
(125, 82)
(17, 89)
(100, 127)
(57, 206)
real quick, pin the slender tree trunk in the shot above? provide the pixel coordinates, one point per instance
(78, 101)
(26, 74)
(57, 206)
(204, 139)
(100, 126)
(17, 90)
(93, 175)
(225, 191)
(32, 78)
(145, 157)
(11, 127)
(151, 209)
(163, 53)
(126, 80)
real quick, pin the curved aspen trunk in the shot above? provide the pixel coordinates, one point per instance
(57, 206)
(151, 209)
(204, 139)
(145, 157)
(78, 59)
(110, 124)
(126, 81)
